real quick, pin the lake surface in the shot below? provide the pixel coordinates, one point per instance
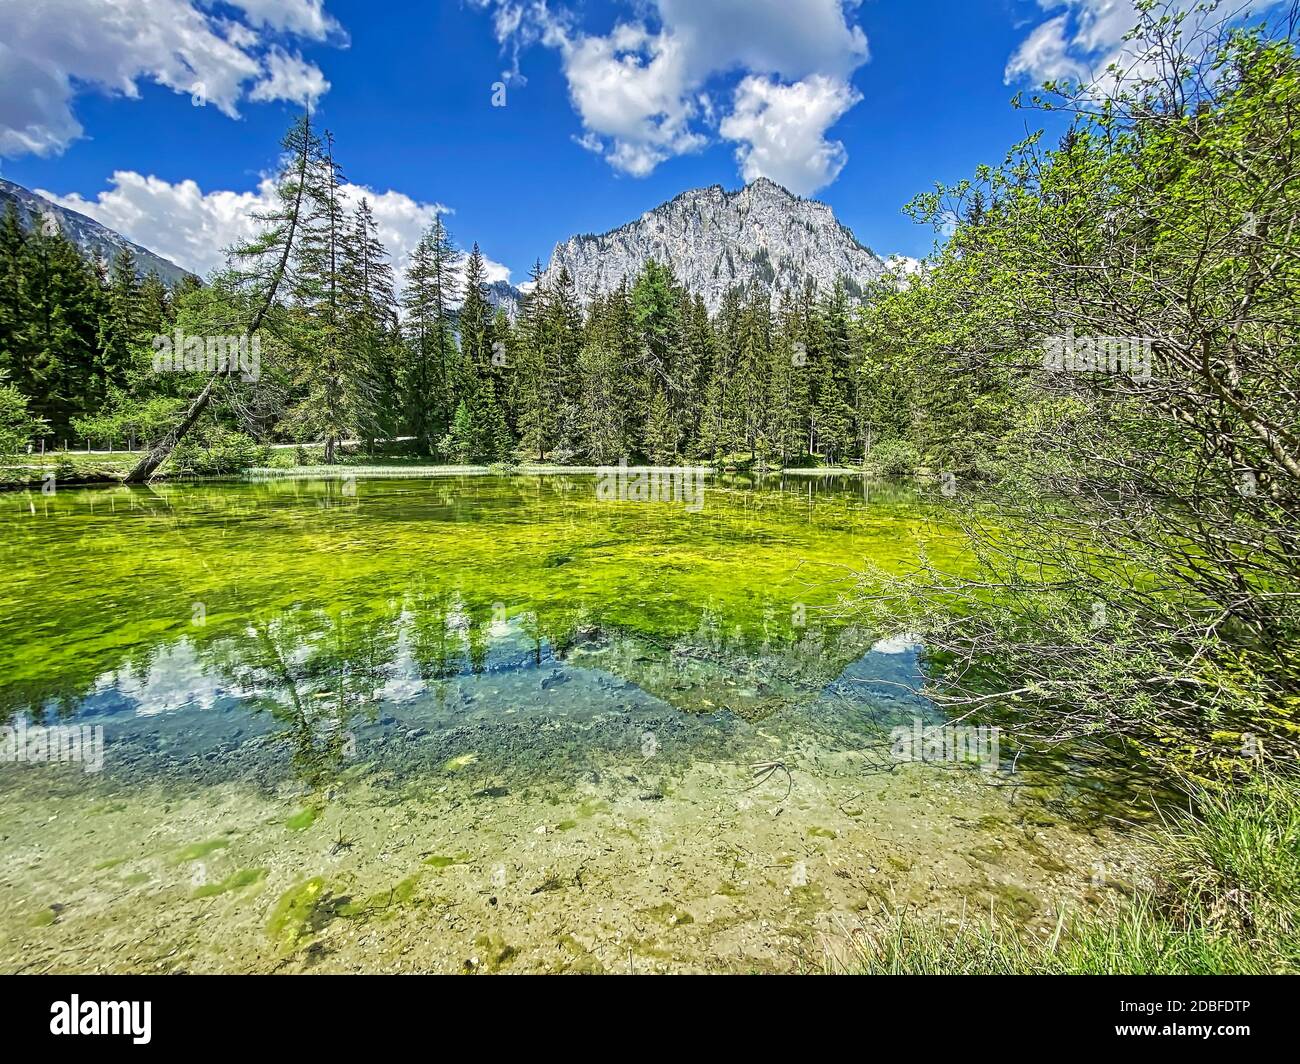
(494, 724)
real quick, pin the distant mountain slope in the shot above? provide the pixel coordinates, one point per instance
(95, 240)
(715, 240)
(505, 296)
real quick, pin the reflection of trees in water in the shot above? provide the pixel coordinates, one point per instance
(435, 645)
(446, 632)
(315, 671)
(753, 669)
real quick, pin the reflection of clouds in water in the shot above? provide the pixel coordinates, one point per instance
(901, 643)
(175, 680)
(415, 652)
(404, 684)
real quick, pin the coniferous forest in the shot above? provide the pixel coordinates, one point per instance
(644, 373)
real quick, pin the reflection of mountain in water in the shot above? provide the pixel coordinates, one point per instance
(312, 680)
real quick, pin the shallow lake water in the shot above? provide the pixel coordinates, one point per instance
(495, 724)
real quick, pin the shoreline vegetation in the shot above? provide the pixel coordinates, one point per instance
(1226, 901)
(79, 469)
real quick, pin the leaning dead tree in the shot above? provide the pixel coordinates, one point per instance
(269, 255)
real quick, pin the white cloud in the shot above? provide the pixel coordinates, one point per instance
(191, 227)
(782, 130)
(1084, 38)
(290, 77)
(306, 18)
(1045, 55)
(641, 90)
(629, 89)
(53, 49)
(904, 269)
(519, 24)
(792, 38)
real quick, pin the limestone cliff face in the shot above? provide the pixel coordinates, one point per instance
(715, 240)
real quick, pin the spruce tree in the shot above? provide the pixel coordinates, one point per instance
(432, 290)
(475, 328)
(120, 326)
(534, 390)
(561, 340)
(55, 358)
(370, 327)
(603, 374)
(660, 432)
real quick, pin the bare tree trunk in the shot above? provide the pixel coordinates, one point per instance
(159, 452)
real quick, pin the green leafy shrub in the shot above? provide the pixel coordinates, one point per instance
(894, 458)
(17, 426)
(217, 452)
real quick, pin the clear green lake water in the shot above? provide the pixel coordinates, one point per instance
(492, 724)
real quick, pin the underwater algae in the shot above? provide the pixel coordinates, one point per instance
(486, 725)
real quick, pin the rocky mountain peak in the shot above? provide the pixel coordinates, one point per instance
(715, 239)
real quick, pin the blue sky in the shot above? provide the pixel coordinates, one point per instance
(160, 117)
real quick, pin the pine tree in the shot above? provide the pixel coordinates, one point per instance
(698, 353)
(832, 417)
(787, 398)
(432, 290)
(657, 312)
(561, 340)
(534, 390)
(154, 305)
(660, 432)
(753, 365)
(13, 242)
(462, 439)
(475, 329)
(497, 443)
(720, 431)
(841, 352)
(370, 327)
(55, 357)
(603, 368)
(330, 384)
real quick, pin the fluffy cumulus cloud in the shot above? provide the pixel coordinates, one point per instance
(50, 50)
(190, 227)
(781, 129)
(1083, 39)
(289, 77)
(656, 87)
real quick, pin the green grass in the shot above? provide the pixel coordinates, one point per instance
(1228, 901)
